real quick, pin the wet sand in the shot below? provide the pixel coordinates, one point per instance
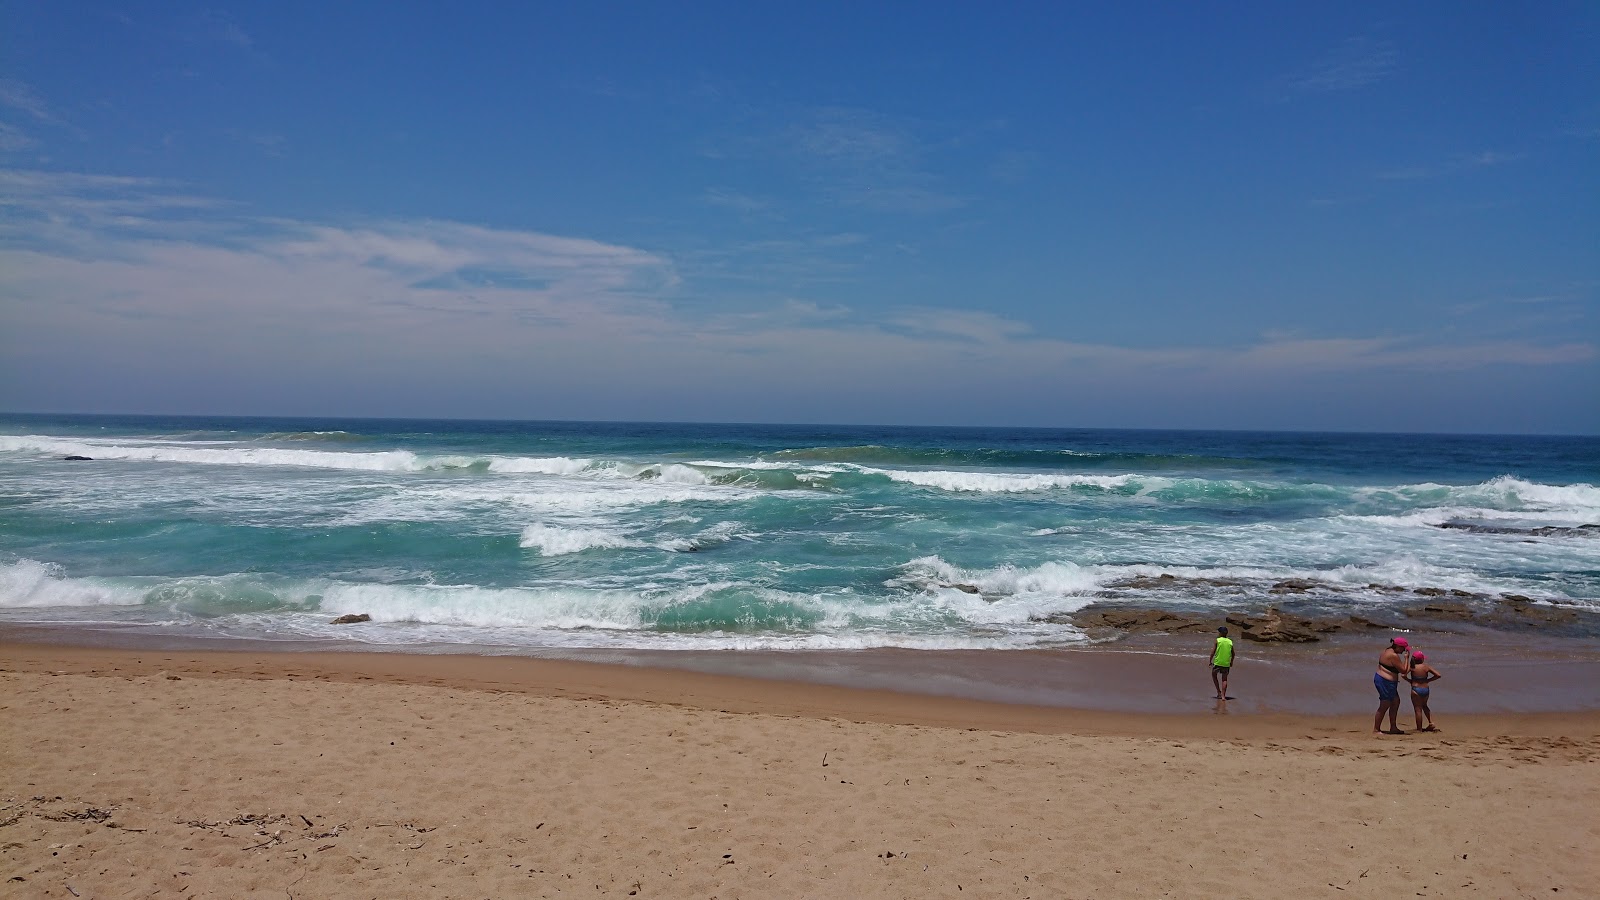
(1486, 671)
(128, 772)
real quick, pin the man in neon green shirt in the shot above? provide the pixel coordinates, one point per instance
(1221, 662)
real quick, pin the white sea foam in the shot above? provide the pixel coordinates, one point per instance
(985, 482)
(555, 465)
(387, 461)
(1064, 587)
(470, 605)
(551, 540)
(30, 584)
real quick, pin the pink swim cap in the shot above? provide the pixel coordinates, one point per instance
(1402, 643)
(1419, 656)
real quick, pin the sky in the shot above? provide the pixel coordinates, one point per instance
(1263, 216)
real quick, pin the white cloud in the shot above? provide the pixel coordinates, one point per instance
(260, 306)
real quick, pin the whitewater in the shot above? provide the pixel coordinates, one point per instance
(538, 535)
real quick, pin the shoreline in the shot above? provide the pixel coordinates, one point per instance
(733, 690)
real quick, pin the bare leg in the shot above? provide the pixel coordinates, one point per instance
(1224, 694)
(1215, 683)
(1394, 713)
(1417, 704)
(1426, 712)
(1377, 719)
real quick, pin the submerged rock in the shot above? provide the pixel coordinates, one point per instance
(76, 458)
(1587, 530)
(351, 619)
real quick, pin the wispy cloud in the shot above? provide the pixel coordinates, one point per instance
(737, 201)
(215, 26)
(137, 275)
(848, 157)
(21, 97)
(850, 135)
(1356, 63)
(13, 139)
(1462, 163)
(269, 142)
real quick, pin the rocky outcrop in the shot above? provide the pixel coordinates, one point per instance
(1277, 627)
(1133, 621)
(351, 619)
(76, 458)
(1172, 582)
(1272, 626)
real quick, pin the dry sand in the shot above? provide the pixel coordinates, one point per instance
(131, 774)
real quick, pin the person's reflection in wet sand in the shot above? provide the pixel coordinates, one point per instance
(1221, 707)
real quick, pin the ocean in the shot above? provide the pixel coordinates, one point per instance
(562, 536)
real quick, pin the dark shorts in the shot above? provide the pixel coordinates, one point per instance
(1221, 670)
(1387, 690)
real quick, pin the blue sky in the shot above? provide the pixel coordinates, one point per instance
(1245, 216)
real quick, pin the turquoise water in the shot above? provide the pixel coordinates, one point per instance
(669, 536)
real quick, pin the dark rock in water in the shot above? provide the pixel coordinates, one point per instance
(1508, 611)
(967, 588)
(1132, 621)
(1171, 582)
(1589, 530)
(351, 618)
(1277, 627)
(1431, 592)
(76, 458)
(1451, 611)
(1526, 612)
(1364, 622)
(1299, 586)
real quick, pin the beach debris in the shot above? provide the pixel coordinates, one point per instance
(351, 619)
(91, 814)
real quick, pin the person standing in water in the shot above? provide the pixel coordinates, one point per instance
(1393, 665)
(1422, 674)
(1221, 662)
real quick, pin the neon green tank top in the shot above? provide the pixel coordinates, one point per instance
(1223, 655)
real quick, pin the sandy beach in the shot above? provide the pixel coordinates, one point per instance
(233, 774)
